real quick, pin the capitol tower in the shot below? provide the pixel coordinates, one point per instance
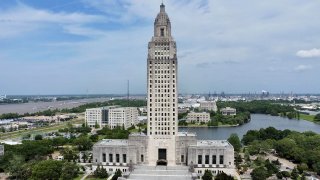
(162, 92)
(163, 144)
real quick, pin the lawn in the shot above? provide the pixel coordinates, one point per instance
(91, 177)
(55, 127)
(307, 117)
(79, 177)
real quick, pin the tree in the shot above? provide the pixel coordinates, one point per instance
(59, 141)
(316, 167)
(38, 137)
(15, 166)
(48, 169)
(238, 160)
(100, 172)
(302, 167)
(33, 150)
(317, 117)
(294, 174)
(69, 171)
(285, 174)
(259, 173)
(285, 147)
(272, 168)
(117, 174)
(235, 141)
(85, 157)
(94, 138)
(96, 125)
(83, 143)
(26, 136)
(207, 175)
(279, 175)
(223, 176)
(69, 155)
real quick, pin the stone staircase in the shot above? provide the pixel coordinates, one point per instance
(160, 173)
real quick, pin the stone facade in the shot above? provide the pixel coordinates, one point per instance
(208, 106)
(163, 144)
(125, 116)
(96, 116)
(112, 116)
(198, 117)
(228, 111)
(162, 101)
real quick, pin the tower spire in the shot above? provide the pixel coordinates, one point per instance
(162, 7)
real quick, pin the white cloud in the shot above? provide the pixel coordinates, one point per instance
(23, 18)
(309, 53)
(209, 33)
(302, 68)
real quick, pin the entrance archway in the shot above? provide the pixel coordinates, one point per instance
(162, 162)
(162, 157)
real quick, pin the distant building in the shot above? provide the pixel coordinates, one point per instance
(1, 150)
(208, 106)
(97, 116)
(228, 111)
(198, 117)
(142, 119)
(143, 110)
(125, 116)
(112, 116)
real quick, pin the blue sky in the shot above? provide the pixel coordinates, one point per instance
(69, 47)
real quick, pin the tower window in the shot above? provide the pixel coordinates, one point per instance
(214, 159)
(162, 32)
(221, 159)
(206, 159)
(124, 158)
(199, 159)
(117, 158)
(110, 158)
(104, 159)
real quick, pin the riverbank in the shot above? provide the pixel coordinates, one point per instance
(307, 117)
(206, 126)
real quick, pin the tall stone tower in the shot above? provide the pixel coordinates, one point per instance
(162, 93)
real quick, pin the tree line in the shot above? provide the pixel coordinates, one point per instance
(301, 148)
(262, 107)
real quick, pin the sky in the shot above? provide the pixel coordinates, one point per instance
(95, 46)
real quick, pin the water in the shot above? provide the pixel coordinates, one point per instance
(32, 107)
(257, 122)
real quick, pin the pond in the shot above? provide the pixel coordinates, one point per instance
(257, 122)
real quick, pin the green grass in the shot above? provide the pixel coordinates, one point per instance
(134, 130)
(79, 177)
(100, 137)
(307, 117)
(20, 133)
(90, 177)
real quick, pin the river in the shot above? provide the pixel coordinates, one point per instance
(257, 122)
(32, 107)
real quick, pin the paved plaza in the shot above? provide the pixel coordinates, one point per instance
(160, 173)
